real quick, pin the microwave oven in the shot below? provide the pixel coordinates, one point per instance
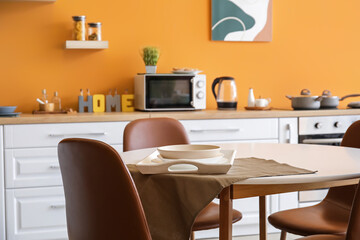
(170, 92)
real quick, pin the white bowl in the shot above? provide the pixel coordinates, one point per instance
(212, 160)
(189, 151)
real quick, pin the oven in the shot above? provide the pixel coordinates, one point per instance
(324, 130)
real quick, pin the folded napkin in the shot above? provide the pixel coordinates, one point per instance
(172, 201)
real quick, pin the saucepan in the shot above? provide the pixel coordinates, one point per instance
(305, 101)
(329, 101)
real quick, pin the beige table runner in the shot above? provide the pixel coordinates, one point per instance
(172, 201)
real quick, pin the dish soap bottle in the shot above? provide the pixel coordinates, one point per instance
(57, 102)
(251, 98)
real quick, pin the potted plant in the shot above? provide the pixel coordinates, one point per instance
(150, 56)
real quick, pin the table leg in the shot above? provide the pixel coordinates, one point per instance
(225, 215)
(262, 217)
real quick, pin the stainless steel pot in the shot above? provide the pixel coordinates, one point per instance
(329, 101)
(305, 101)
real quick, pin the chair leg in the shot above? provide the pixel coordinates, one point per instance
(192, 237)
(283, 235)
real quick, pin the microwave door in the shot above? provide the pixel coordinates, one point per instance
(169, 93)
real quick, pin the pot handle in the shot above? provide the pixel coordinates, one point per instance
(347, 96)
(289, 97)
(318, 98)
(216, 81)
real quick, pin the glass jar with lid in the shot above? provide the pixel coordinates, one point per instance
(94, 33)
(79, 28)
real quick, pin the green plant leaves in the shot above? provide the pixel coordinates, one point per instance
(150, 55)
(227, 17)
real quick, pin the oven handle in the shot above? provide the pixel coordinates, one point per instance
(319, 141)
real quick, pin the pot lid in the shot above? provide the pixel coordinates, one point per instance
(305, 93)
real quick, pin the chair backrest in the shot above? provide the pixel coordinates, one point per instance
(154, 132)
(101, 199)
(344, 195)
(353, 232)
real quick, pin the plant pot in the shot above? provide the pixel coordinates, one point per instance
(150, 69)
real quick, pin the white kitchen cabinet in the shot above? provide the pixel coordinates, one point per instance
(2, 187)
(36, 213)
(288, 130)
(35, 202)
(49, 135)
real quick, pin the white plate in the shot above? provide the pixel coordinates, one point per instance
(212, 160)
(186, 72)
(153, 165)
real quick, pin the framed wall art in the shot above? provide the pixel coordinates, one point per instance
(241, 20)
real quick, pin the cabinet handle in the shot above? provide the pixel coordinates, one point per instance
(54, 166)
(57, 206)
(324, 141)
(289, 127)
(215, 130)
(76, 134)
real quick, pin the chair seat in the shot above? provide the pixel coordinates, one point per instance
(209, 217)
(324, 237)
(324, 218)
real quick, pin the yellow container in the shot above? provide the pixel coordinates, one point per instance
(48, 107)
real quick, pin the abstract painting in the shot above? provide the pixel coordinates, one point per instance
(242, 20)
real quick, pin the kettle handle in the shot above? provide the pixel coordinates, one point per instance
(216, 81)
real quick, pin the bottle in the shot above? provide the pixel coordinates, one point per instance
(251, 98)
(57, 102)
(44, 97)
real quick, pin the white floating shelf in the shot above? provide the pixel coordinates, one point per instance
(87, 44)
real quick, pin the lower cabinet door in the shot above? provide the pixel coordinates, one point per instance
(36, 214)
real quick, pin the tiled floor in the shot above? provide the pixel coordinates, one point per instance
(255, 237)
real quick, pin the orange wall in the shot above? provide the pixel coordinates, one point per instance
(315, 45)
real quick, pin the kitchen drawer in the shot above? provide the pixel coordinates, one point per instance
(231, 129)
(49, 135)
(33, 167)
(37, 213)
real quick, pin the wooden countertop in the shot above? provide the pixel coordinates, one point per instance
(205, 114)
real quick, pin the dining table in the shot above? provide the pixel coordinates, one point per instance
(333, 166)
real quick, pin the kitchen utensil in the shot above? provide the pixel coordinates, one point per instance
(226, 96)
(329, 101)
(251, 98)
(39, 101)
(189, 151)
(262, 102)
(305, 101)
(153, 165)
(7, 109)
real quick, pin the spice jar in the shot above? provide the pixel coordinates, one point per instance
(79, 28)
(94, 33)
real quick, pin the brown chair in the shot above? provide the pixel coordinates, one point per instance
(331, 215)
(353, 231)
(101, 199)
(156, 132)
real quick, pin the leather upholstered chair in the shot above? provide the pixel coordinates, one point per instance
(331, 215)
(353, 231)
(101, 199)
(156, 132)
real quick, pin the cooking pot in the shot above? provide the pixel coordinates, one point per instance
(329, 101)
(305, 101)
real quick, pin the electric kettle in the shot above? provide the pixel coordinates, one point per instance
(226, 96)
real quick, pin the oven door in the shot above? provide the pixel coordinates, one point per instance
(169, 92)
